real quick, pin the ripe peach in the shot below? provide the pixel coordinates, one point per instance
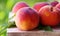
(54, 3)
(57, 9)
(37, 6)
(26, 18)
(18, 5)
(48, 16)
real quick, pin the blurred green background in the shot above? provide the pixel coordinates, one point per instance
(6, 7)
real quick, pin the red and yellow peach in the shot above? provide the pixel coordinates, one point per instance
(26, 18)
(19, 5)
(37, 6)
(48, 16)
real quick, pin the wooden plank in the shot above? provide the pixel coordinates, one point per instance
(16, 32)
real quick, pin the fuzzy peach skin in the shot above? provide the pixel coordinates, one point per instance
(57, 9)
(48, 16)
(26, 18)
(54, 3)
(37, 6)
(19, 5)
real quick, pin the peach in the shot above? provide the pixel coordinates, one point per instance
(57, 9)
(18, 5)
(26, 18)
(54, 3)
(37, 6)
(48, 16)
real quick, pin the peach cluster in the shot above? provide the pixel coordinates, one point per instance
(29, 18)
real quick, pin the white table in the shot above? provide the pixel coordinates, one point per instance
(16, 32)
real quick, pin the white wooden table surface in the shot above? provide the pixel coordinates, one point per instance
(16, 32)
